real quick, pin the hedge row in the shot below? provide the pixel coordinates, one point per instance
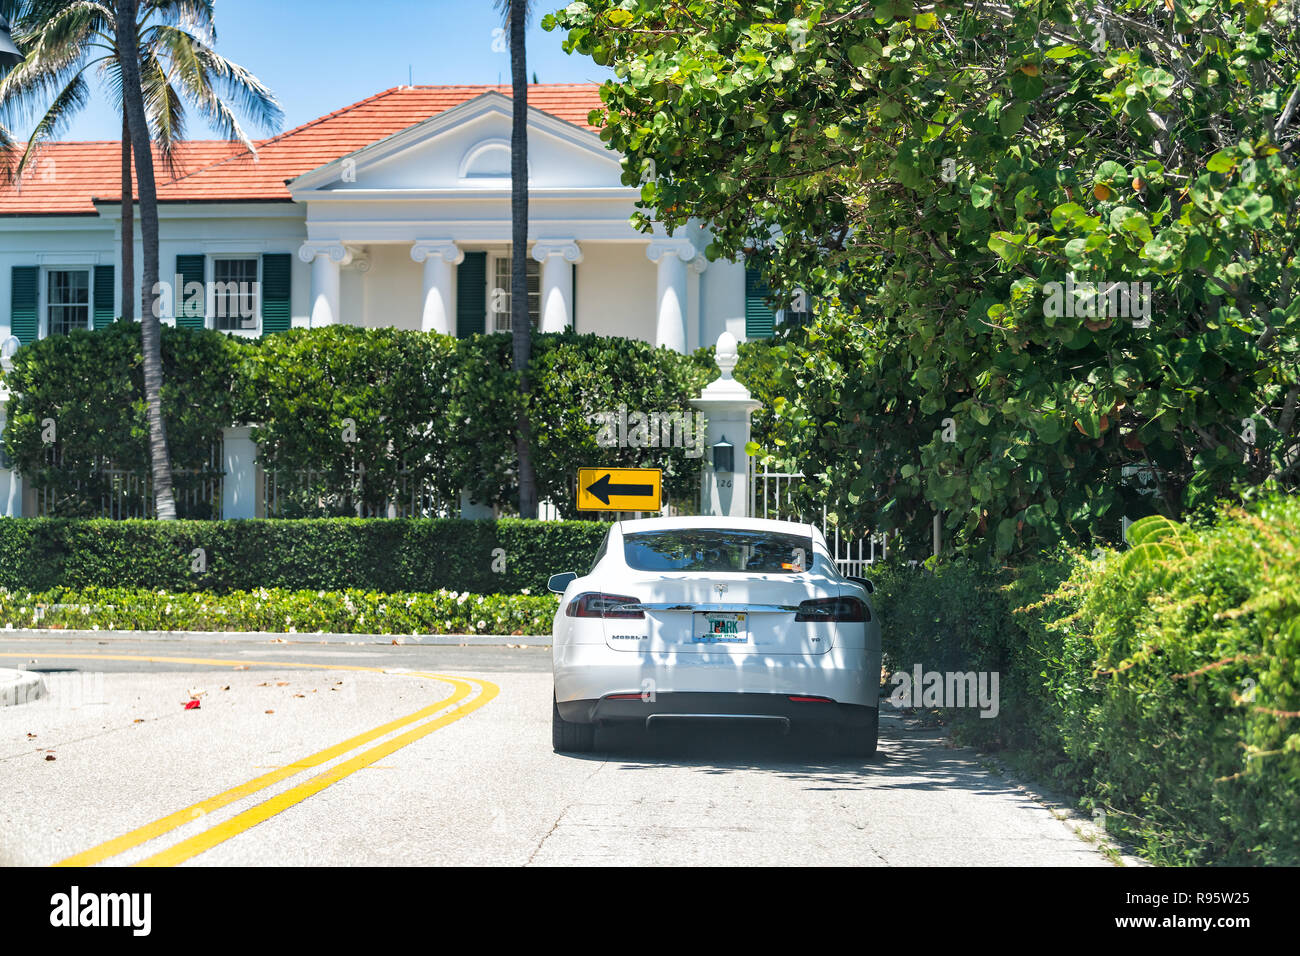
(350, 416)
(1160, 684)
(509, 556)
(279, 611)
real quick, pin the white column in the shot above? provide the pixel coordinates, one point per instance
(727, 407)
(239, 486)
(672, 257)
(326, 259)
(557, 257)
(438, 308)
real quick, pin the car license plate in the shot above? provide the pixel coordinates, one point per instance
(713, 628)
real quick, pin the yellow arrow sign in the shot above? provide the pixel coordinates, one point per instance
(620, 489)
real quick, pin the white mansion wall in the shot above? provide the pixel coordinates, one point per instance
(393, 286)
(616, 291)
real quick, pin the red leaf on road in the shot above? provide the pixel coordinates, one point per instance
(192, 704)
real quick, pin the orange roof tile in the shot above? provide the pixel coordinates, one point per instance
(69, 176)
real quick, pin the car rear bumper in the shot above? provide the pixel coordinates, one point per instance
(783, 709)
(591, 672)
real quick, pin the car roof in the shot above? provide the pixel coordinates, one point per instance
(718, 521)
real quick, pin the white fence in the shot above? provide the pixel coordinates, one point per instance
(772, 495)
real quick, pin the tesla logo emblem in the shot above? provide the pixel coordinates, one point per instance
(720, 588)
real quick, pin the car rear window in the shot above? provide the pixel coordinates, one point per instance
(717, 549)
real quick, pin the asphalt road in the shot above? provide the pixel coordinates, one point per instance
(383, 755)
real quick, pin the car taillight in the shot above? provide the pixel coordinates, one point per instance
(847, 609)
(599, 604)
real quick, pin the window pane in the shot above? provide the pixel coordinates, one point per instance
(499, 294)
(68, 300)
(234, 293)
(710, 550)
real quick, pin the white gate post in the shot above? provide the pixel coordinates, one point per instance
(727, 407)
(11, 483)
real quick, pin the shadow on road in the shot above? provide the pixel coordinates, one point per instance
(910, 757)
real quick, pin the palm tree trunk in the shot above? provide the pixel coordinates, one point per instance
(128, 228)
(521, 326)
(150, 328)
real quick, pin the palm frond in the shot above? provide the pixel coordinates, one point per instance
(504, 6)
(55, 120)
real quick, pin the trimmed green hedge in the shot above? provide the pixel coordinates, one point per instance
(1160, 684)
(421, 555)
(280, 611)
(346, 416)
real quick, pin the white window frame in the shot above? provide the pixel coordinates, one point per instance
(43, 295)
(210, 292)
(489, 319)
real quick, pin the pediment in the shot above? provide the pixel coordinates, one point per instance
(467, 148)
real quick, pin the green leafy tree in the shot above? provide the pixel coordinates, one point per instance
(954, 184)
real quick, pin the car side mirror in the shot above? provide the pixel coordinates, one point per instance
(558, 582)
(871, 588)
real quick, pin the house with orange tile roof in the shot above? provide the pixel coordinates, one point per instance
(394, 211)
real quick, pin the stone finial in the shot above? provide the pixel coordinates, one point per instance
(727, 355)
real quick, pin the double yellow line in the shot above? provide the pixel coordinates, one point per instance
(462, 688)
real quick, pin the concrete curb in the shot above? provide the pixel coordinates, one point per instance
(18, 687)
(273, 637)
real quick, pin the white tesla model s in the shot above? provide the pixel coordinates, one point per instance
(708, 618)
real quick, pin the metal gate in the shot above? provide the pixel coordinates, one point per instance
(771, 497)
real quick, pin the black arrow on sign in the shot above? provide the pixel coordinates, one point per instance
(602, 489)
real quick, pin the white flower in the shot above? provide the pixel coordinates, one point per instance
(482, 624)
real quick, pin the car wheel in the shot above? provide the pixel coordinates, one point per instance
(570, 737)
(861, 741)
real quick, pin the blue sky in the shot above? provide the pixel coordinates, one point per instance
(320, 55)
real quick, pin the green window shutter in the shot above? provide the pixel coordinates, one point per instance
(759, 317)
(190, 315)
(105, 293)
(471, 294)
(23, 321)
(276, 282)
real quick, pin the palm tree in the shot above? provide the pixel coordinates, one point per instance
(160, 54)
(516, 14)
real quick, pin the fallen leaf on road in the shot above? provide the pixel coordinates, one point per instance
(195, 693)
(138, 720)
(227, 687)
(278, 640)
(49, 756)
(270, 712)
(299, 695)
(282, 683)
(192, 704)
(241, 667)
(31, 736)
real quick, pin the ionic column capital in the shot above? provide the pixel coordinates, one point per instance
(444, 249)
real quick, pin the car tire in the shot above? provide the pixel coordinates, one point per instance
(861, 741)
(568, 736)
